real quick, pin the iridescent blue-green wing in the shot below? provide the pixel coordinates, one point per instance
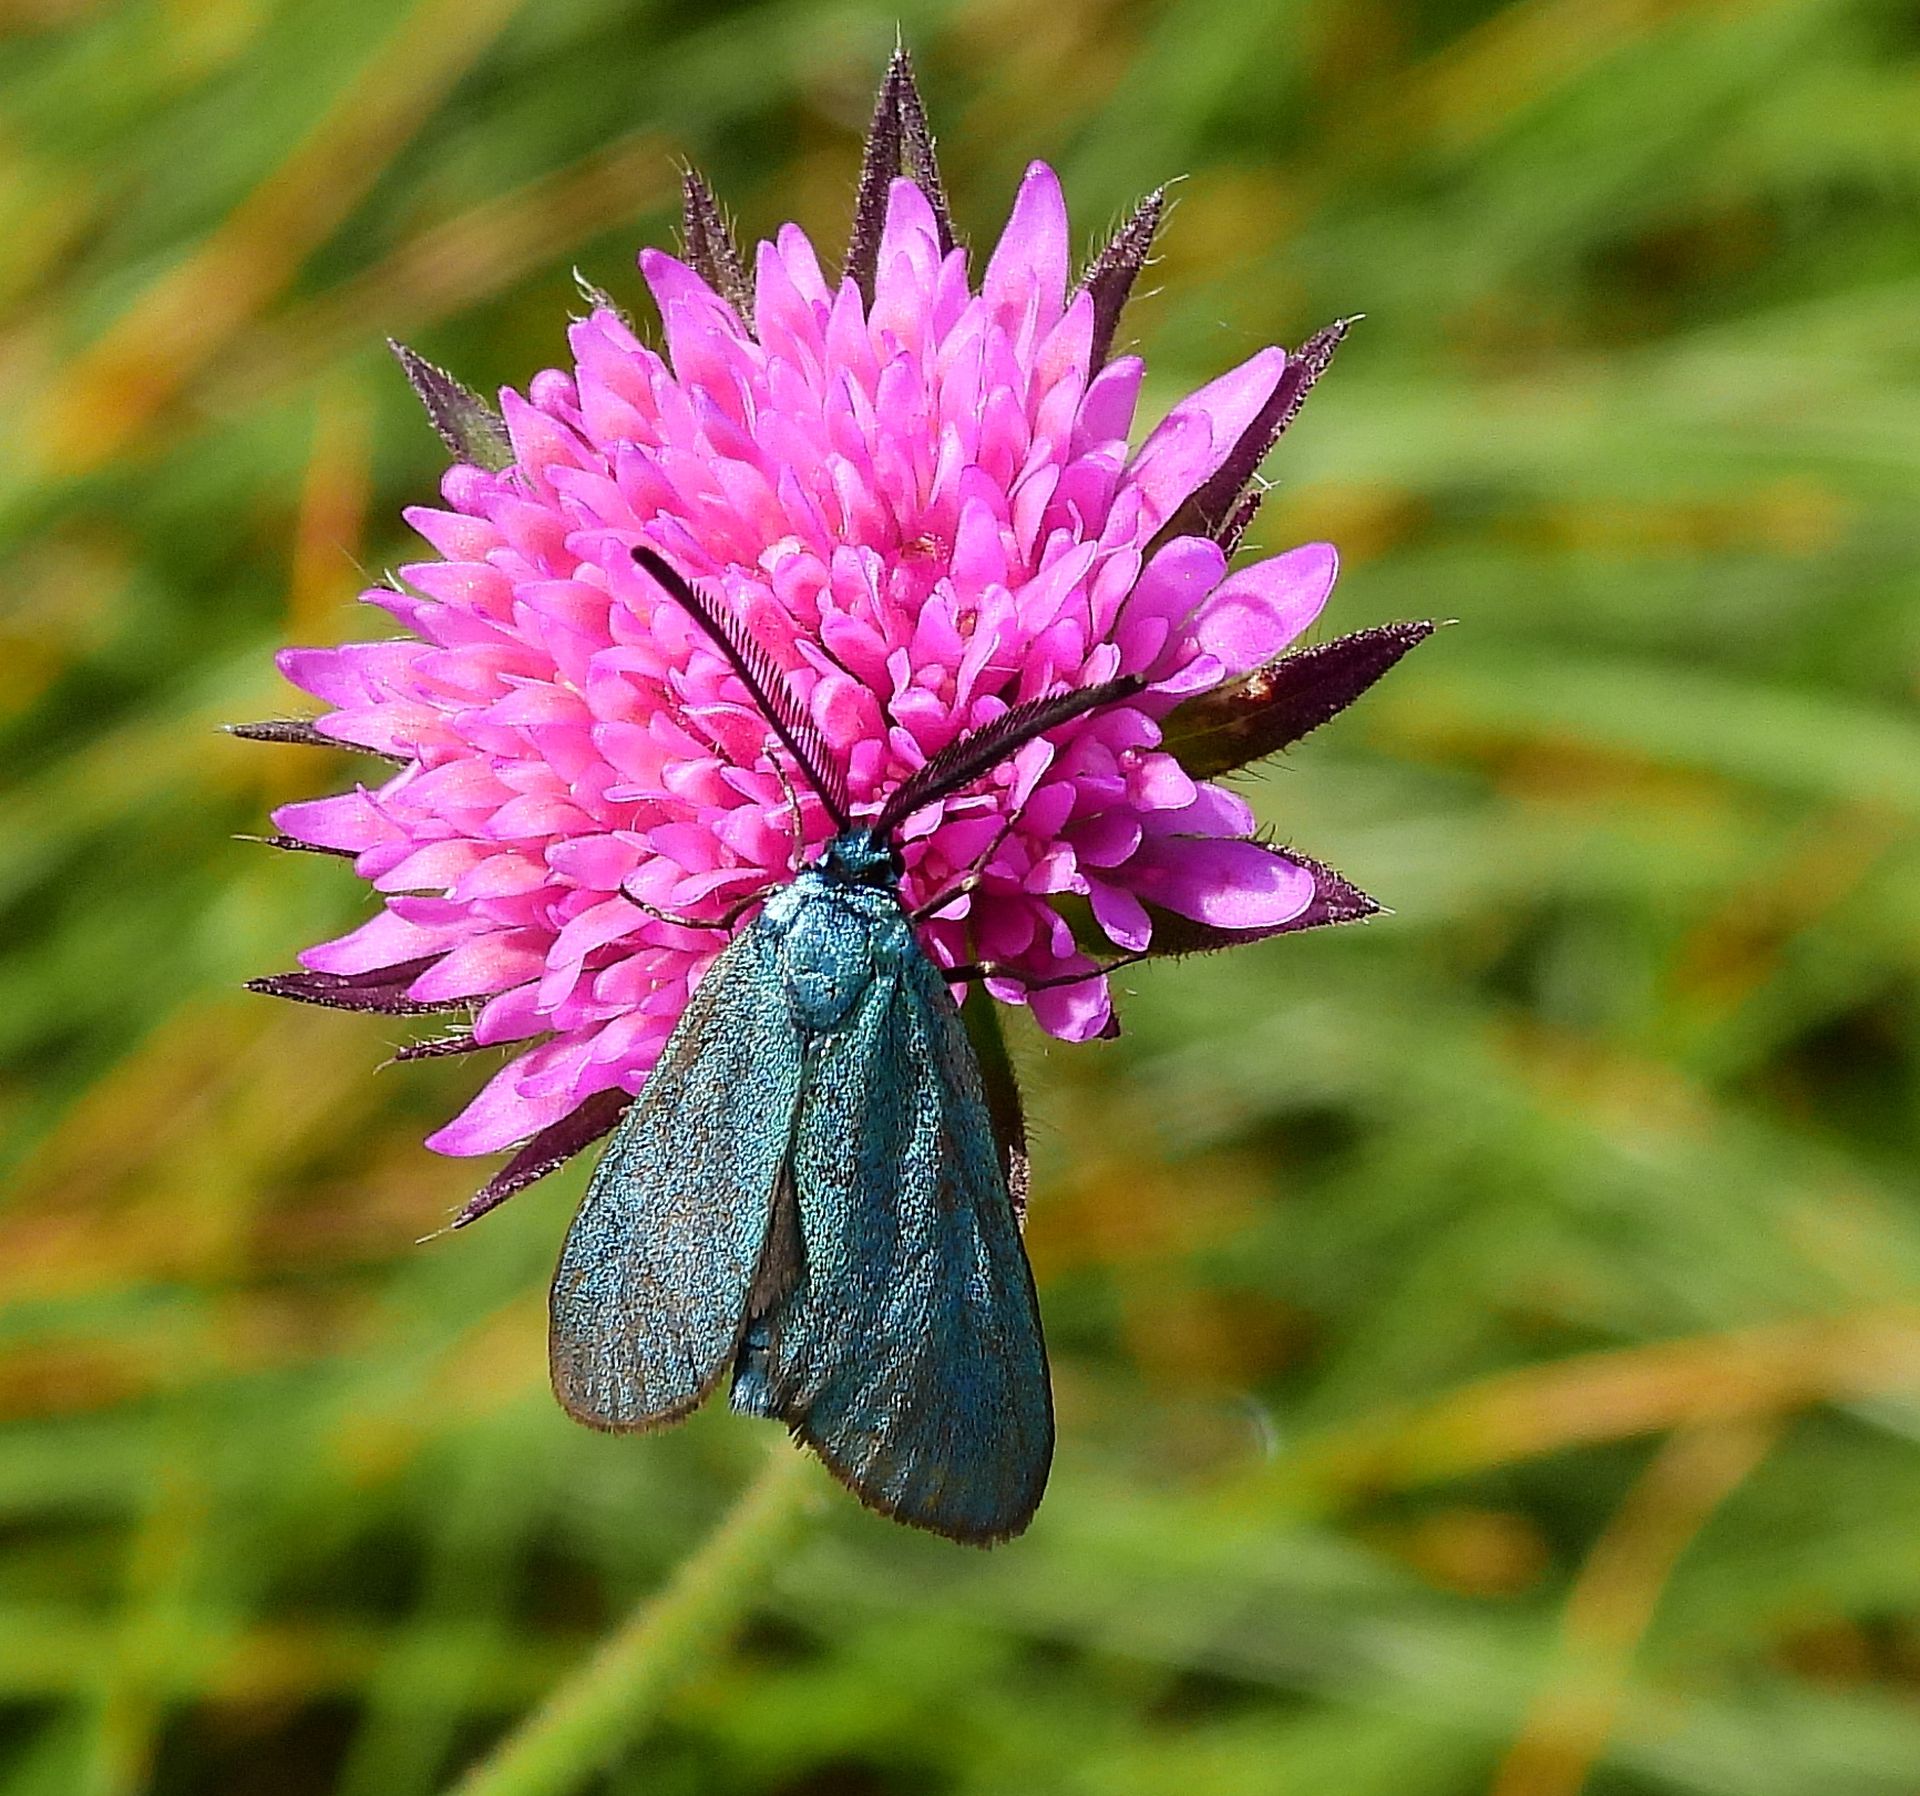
(651, 1294)
(909, 1353)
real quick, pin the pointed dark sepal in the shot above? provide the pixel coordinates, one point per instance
(1274, 706)
(471, 429)
(437, 1047)
(384, 989)
(707, 241)
(879, 164)
(898, 143)
(1234, 525)
(1215, 505)
(1109, 278)
(917, 159)
(551, 1149)
(299, 732)
(293, 845)
(1004, 1109)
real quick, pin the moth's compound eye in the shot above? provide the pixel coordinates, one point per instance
(896, 863)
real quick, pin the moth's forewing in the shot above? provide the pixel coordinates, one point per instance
(910, 1357)
(651, 1292)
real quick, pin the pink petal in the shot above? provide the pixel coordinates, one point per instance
(1253, 614)
(596, 926)
(687, 304)
(1106, 413)
(602, 863)
(491, 963)
(382, 941)
(503, 1114)
(907, 265)
(1154, 614)
(433, 866)
(538, 441)
(1029, 263)
(455, 535)
(1121, 916)
(1076, 1012)
(1157, 782)
(328, 674)
(1214, 812)
(1230, 884)
(349, 820)
(511, 1016)
(1193, 439)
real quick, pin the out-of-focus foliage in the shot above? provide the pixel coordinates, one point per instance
(1487, 1341)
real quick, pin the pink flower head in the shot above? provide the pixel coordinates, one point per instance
(924, 499)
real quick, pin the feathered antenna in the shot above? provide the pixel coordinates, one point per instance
(963, 761)
(764, 681)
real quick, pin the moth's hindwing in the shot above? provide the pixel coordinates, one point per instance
(909, 1355)
(650, 1296)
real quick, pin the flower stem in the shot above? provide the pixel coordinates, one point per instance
(607, 1704)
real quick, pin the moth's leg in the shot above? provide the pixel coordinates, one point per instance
(679, 922)
(970, 971)
(969, 881)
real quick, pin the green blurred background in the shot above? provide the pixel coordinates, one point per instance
(1487, 1341)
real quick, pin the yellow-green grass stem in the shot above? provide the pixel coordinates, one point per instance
(608, 1704)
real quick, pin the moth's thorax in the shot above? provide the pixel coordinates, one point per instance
(831, 936)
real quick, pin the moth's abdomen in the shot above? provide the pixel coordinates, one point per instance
(752, 1394)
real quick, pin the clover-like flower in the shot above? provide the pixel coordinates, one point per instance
(918, 498)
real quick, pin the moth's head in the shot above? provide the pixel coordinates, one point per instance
(862, 858)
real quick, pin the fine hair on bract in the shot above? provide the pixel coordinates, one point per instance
(961, 762)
